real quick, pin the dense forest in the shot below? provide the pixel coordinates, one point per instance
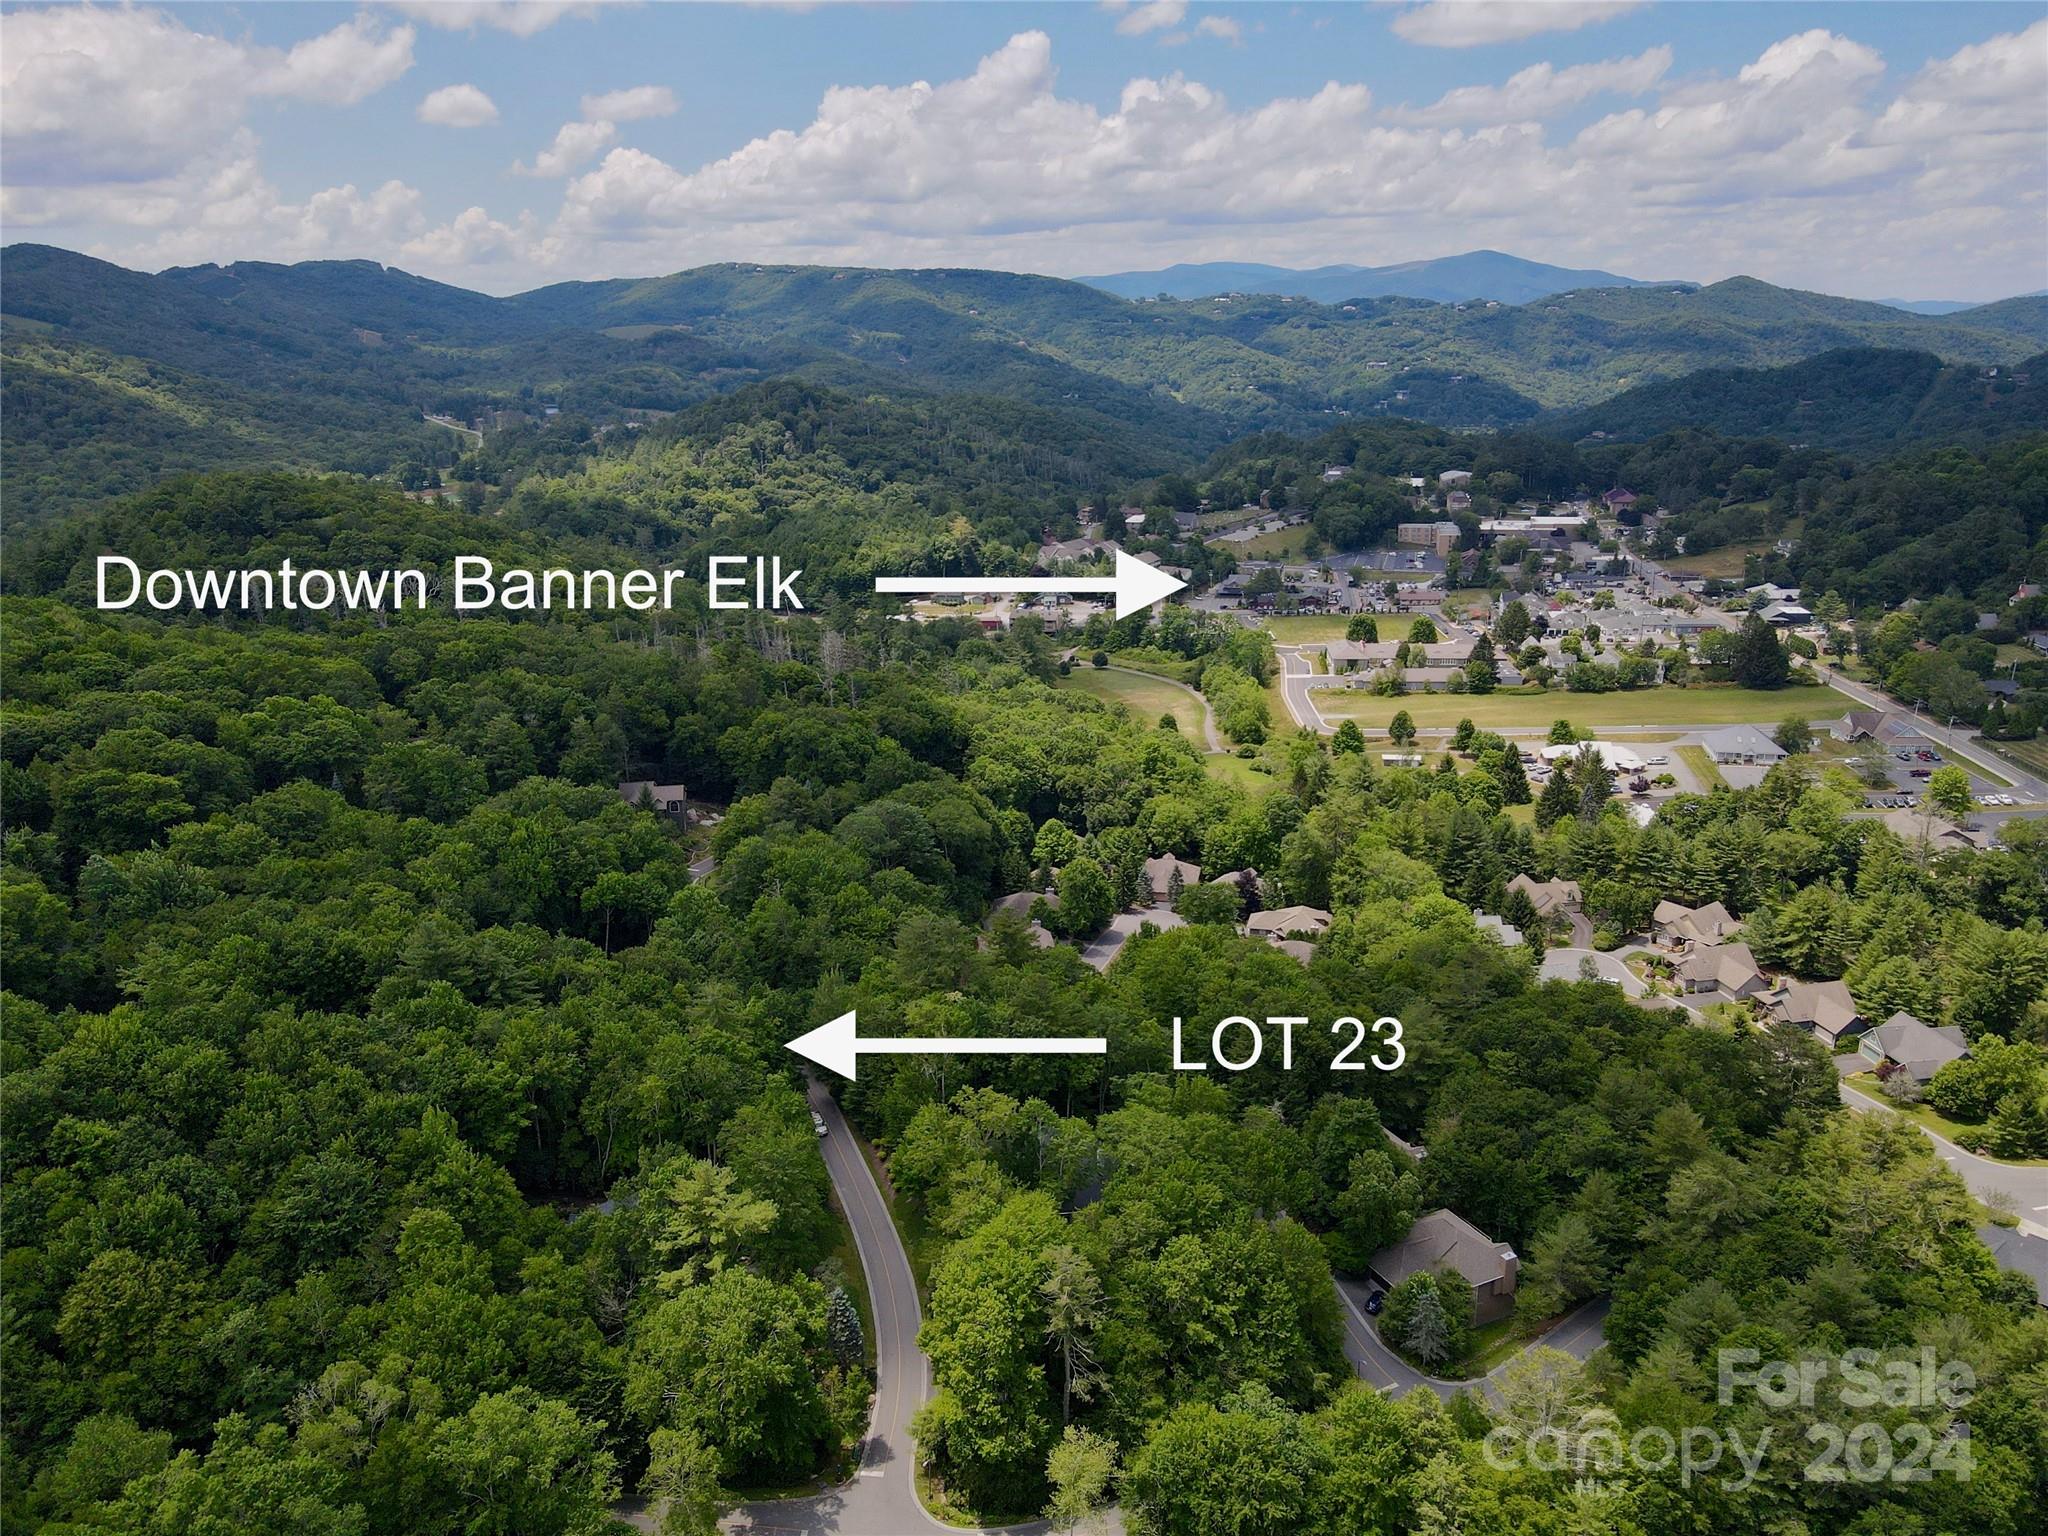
(399, 1136)
(1863, 401)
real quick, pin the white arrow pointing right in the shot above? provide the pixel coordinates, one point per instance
(1135, 585)
(837, 1046)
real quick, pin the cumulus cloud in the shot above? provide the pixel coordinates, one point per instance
(1810, 165)
(472, 238)
(574, 145)
(1224, 27)
(458, 106)
(1148, 16)
(522, 18)
(1542, 90)
(1470, 23)
(631, 104)
(341, 67)
(1793, 165)
(97, 95)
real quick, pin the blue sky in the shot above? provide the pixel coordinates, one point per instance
(1883, 150)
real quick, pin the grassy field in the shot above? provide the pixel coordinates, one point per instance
(1280, 544)
(1147, 698)
(1227, 769)
(1703, 766)
(1655, 706)
(2030, 755)
(1308, 628)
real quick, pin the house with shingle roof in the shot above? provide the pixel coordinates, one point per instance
(1729, 968)
(1823, 1007)
(1443, 1240)
(1913, 1046)
(1678, 926)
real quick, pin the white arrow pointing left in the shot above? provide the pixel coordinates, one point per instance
(1135, 585)
(837, 1046)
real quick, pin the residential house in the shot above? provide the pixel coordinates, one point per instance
(669, 799)
(1823, 1007)
(1288, 923)
(1454, 477)
(1619, 499)
(1913, 1046)
(1295, 949)
(1726, 968)
(1020, 903)
(1787, 615)
(1498, 929)
(1159, 875)
(2022, 1253)
(1940, 835)
(1548, 897)
(1677, 926)
(1741, 744)
(1443, 1240)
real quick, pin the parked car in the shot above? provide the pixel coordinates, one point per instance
(1921, 773)
(1375, 1301)
(818, 1123)
(1658, 761)
(1905, 757)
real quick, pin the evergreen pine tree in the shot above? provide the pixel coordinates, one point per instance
(842, 1329)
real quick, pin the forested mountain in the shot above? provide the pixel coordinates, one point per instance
(114, 378)
(1864, 401)
(1443, 279)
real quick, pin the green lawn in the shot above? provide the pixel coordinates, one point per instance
(1228, 769)
(1280, 544)
(1309, 628)
(2030, 755)
(1703, 766)
(1651, 706)
(1147, 698)
(1963, 1135)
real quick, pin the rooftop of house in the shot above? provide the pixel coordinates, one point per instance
(1442, 1239)
(1728, 966)
(2020, 1252)
(1923, 1049)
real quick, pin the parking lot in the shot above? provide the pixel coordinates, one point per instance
(1912, 761)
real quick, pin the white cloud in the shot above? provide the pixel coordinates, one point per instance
(472, 238)
(1996, 89)
(458, 106)
(341, 67)
(631, 104)
(1224, 27)
(574, 145)
(1542, 90)
(97, 95)
(1784, 168)
(1470, 23)
(522, 18)
(1148, 16)
(1811, 166)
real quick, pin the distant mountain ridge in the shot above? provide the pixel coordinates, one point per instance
(1869, 401)
(114, 378)
(1469, 276)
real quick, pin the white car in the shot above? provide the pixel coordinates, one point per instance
(1658, 761)
(818, 1123)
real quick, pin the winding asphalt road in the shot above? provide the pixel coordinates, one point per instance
(881, 1499)
(1578, 1335)
(2023, 1190)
